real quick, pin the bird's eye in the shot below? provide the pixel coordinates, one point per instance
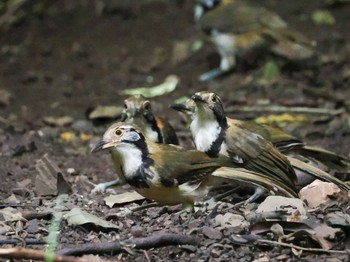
(213, 98)
(118, 132)
(147, 105)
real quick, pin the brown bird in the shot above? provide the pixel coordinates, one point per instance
(286, 143)
(235, 27)
(246, 141)
(138, 110)
(171, 175)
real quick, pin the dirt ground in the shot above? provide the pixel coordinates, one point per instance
(70, 58)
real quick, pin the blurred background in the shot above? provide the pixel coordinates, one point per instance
(60, 61)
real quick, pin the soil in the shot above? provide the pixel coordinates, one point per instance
(70, 58)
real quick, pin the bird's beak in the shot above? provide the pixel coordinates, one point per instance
(197, 98)
(180, 107)
(102, 145)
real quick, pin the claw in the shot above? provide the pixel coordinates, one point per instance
(100, 188)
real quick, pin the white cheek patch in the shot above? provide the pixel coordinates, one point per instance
(131, 158)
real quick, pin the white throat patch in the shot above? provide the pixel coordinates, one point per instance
(205, 129)
(131, 158)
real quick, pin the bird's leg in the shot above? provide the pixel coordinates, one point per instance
(101, 187)
(258, 193)
(218, 197)
(226, 64)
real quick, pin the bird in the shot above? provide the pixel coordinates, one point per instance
(138, 110)
(172, 175)
(235, 27)
(247, 141)
(283, 141)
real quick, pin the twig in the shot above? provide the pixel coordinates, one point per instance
(29, 215)
(285, 109)
(317, 250)
(27, 253)
(158, 240)
(27, 242)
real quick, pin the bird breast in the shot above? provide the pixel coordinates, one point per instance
(204, 134)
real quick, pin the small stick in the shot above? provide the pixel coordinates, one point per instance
(27, 242)
(158, 240)
(285, 109)
(317, 250)
(32, 254)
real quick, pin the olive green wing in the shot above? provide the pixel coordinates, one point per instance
(253, 152)
(238, 18)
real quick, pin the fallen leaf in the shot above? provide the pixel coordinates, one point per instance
(230, 220)
(167, 86)
(58, 121)
(11, 214)
(4, 228)
(85, 137)
(110, 112)
(318, 193)
(182, 50)
(323, 17)
(49, 180)
(338, 219)
(68, 136)
(270, 71)
(327, 236)
(126, 197)
(79, 217)
(283, 118)
(279, 203)
(211, 233)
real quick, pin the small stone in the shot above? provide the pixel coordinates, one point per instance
(137, 231)
(33, 226)
(211, 233)
(82, 125)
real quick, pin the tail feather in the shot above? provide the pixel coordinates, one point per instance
(252, 178)
(290, 44)
(328, 158)
(318, 173)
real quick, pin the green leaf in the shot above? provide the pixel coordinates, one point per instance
(270, 71)
(323, 17)
(168, 86)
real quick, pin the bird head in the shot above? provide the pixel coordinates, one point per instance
(202, 6)
(120, 134)
(207, 103)
(136, 106)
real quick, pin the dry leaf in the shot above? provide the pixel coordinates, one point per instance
(110, 112)
(49, 180)
(5, 97)
(11, 214)
(58, 121)
(230, 220)
(79, 217)
(126, 197)
(166, 87)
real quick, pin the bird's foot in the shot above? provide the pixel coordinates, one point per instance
(211, 74)
(124, 212)
(101, 187)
